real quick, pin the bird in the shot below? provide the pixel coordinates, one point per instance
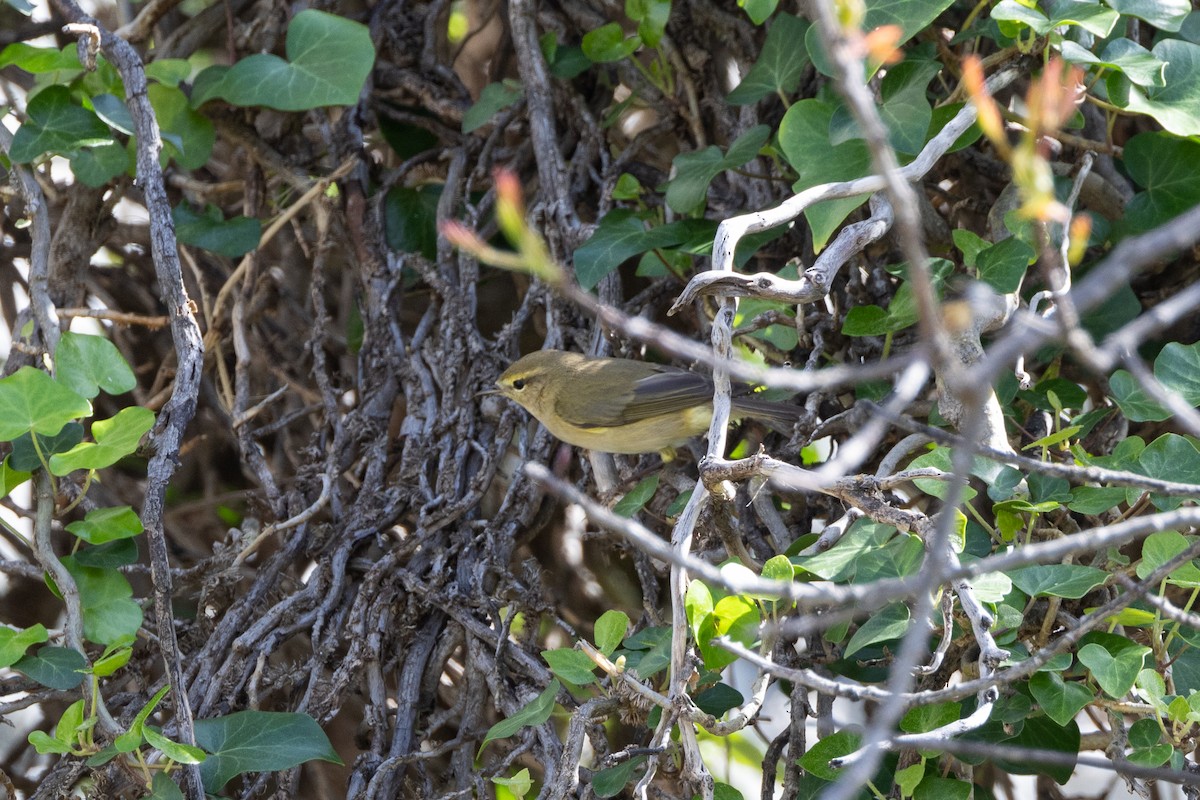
(618, 405)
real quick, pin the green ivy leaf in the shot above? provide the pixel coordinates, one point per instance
(1177, 367)
(621, 236)
(328, 61)
(88, 364)
(715, 658)
(97, 166)
(900, 556)
(911, 16)
(1122, 55)
(410, 219)
(1166, 15)
(535, 712)
(210, 230)
(1068, 394)
(780, 65)
(637, 497)
(1114, 672)
(657, 653)
(695, 171)
(163, 788)
(56, 667)
(56, 124)
(804, 140)
(570, 62)
(1057, 580)
(758, 10)
(109, 524)
(1170, 457)
(1159, 548)
(109, 612)
(10, 478)
(1005, 484)
(716, 700)
(494, 97)
(1095, 499)
(608, 43)
(1185, 667)
(61, 65)
(609, 782)
(572, 665)
(678, 504)
(1176, 104)
(970, 244)
(943, 458)
(114, 112)
(1166, 167)
(868, 320)
(738, 618)
(111, 661)
(179, 752)
(1092, 17)
(905, 108)
(920, 719)
(26, 458)
(627, 187)
(1132, 399)
(883, 626)
(188, 135)
(1059, 699)
(113, 555)
(1002, 266)
(992, 587)
(1055, 438)
(610, 630)
(519, 784)
(115, 438)
(46, 745)
(65, 732)
(1121, 308)
(651, 16)
(1042, 733)
(259, 741)
(1154, 756)
(1151, 685)
(14, 642)
(838, 563)
(778, 568)
(30, 400)
(168, 71)
(649, 638)
(697, 605)
(908, 778)
(816, 760)
(932, 787)
(1047, 491)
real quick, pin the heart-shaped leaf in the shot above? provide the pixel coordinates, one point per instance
(1114, 673)
(328, 60)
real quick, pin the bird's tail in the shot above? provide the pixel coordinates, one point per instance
(780, 417)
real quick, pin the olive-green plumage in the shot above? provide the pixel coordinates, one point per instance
(615, 405)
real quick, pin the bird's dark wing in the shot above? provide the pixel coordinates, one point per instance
(668, 391)
(657, 389)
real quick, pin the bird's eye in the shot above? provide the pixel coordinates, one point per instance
(519, 384)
